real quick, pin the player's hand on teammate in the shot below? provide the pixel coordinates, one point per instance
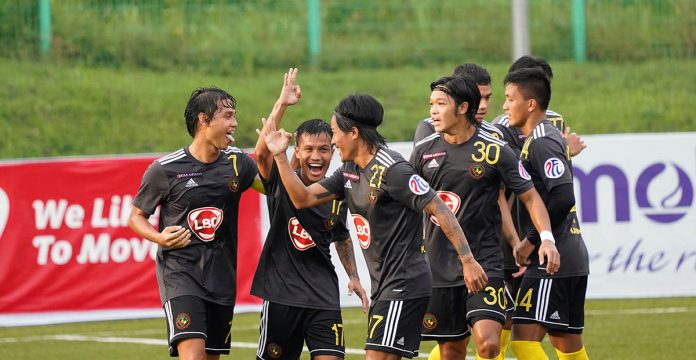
(521, 252)
(277, 141)
(174, 237)
(354, 286)
(520, 272)
(575, 143)
(474, 276)
(548, 252)
(290, 93)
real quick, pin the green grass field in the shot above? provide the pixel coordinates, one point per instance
(614, 329)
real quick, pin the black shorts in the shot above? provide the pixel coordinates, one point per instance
(394, 326)
(556, 303)
(512, 285)
(192, 317)
(284, 329)
(445, 318)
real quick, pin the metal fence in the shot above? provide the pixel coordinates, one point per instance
(215, 35)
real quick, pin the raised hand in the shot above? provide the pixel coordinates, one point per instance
(290, 93)
(277, 141)
(575, 143)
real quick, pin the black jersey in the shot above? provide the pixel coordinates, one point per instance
(546, 157)
(295, 266)
(426, 128)
(468, 179)
(520, 216)
(386, 200)
(203, 198)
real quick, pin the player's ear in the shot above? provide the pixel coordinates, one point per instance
(532, 104)
(354, 133)
(463, 107)
(202, 118)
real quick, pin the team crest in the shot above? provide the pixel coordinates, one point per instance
(274, 350)
(372, 196)
(330, 221)
(234, 184)
(554, 168)
(477, 170)
(429, 321)
(182, 321)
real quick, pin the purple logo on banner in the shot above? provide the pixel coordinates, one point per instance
(667, 210)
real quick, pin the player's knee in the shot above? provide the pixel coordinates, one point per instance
(488, 348)
(452, 350)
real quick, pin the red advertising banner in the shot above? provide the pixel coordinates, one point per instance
(65, 244)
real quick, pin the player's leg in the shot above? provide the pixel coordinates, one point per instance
(528, 325)
(324, 334)
(445, 322)
(281, 332)
(186, 327)
(512, 284)
(568, 342)
(219, 319)
(486, 314)
(394, 328)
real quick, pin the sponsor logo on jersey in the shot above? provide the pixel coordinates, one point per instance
(362, 230)
(351, 176)
(434, 155)
(274, 350)
(204, 221)
(553, 168)
(477, 170)
(186, 175)
(450, 199)
(182, 321)
(299, 237)
(234, 184)
(523, 172)
(417, 185)
(429, 321)
(191, 183)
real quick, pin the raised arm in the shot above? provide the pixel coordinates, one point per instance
(540, 218)
(290, 94)
(345, 253)
(302, 196)
(575, 143)
(474, 276)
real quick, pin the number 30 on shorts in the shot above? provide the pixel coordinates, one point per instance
(496, 296)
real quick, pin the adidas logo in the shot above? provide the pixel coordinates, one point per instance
(555, 316)
(191, 183)
(400, 341)
(433, 164)
(348, 185)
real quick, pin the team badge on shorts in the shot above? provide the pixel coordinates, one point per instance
(183, 321)
(429, 321)
(274, 350)
(233, 184)
(477, 170)
(372, 196)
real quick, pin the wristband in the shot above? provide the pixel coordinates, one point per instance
(547, 235)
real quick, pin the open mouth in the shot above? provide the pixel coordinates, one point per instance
(315, 169)
(229, 136)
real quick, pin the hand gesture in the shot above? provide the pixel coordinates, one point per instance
(474, 276)
(174, 237)
(354, 286)
(522, 251)
(575, 143)
(277, 141)
(548, 251)
(290, 93)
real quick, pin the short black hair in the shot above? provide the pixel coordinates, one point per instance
(463, 89)
(528, 62)
(533, 84)
(206, 100)
(312, 127)
(363, 112)
(480, 75)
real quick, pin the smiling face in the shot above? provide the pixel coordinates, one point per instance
(314, 154)
(220, 129)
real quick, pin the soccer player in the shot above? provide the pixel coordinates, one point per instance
(467, 165)
(552, 304)
(198, 188)
(295, 276)
(386, 199)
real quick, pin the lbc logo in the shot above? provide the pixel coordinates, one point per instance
(204, 221)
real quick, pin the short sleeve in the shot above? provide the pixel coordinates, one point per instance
(423, 129)
(548, 157)
(341, 232)
(154, 187)
(248, 170)
(512, 172)
(406, 186)
(335, 183)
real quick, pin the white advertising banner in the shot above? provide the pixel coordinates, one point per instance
(635, 200)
